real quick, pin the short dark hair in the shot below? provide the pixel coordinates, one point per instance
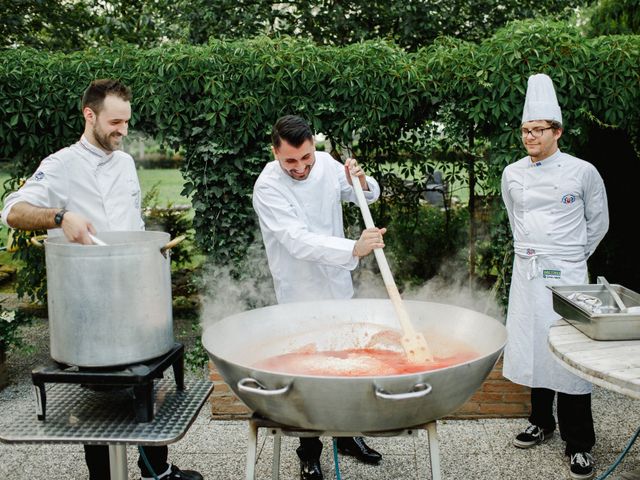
(291, 128)
(555, 124)
(97, 91)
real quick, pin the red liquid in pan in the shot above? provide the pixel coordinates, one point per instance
(358, 362)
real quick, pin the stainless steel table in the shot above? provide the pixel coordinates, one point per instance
(613, 364)
(79, 415)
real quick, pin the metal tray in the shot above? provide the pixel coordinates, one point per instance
(607, 324)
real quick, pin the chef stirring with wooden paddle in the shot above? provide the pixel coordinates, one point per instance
(298, 198)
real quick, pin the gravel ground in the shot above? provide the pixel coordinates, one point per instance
(469, 449)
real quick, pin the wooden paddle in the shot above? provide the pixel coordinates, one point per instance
(413, 343)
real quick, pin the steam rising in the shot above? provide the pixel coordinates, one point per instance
(450, 286)
(226, 294)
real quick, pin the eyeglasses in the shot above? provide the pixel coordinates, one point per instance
(535, 133)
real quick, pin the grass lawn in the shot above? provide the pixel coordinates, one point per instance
(169, 183)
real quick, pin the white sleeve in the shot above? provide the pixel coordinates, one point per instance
(348, 194)
(506, 198)
(279, 217)
(596, 210)
(46, 188)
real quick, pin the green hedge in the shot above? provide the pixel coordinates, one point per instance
(219, 101)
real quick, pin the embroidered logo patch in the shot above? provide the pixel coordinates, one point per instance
(38, 175)
(550, 273)
(568, 199)
(531, 251)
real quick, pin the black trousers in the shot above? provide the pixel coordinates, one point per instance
(574, 418)
(97, 458)
(310, 448)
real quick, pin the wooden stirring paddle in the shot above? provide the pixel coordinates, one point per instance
(413, 343)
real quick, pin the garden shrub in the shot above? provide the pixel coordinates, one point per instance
(218, 102)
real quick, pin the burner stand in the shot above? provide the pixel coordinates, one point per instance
(278, 430)
(139, 377)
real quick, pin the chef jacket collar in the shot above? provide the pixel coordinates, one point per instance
(555, 157)
(100, 156)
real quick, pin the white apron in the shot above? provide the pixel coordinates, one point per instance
(558, 214)
(527, 357)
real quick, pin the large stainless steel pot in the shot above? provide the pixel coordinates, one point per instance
(109, 305)
(364, 404)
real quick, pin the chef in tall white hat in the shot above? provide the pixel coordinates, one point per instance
(557, 207)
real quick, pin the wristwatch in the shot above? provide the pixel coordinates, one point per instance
(58, 218)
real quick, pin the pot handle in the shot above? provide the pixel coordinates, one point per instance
(419, 390)
(37, 240)
(261, 389)
(172, 244)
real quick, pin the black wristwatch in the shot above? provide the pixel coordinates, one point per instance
(58, 218)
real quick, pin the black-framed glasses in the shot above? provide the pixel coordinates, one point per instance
(535, 132)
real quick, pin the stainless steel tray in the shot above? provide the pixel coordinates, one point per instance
(607, 324)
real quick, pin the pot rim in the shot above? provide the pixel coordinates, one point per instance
(60, 241)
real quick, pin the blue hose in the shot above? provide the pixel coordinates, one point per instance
(146, 462)
(335, 459)
(621, 456)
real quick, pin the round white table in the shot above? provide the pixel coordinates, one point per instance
(613, 364)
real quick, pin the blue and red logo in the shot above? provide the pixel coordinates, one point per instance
(568, 198)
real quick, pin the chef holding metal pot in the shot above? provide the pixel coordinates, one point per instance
(298, 198)
(557, 207)
(87, 187)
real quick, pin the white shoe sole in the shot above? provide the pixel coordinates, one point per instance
(519, 444)
(581, 477)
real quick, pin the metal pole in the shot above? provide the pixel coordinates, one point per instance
(434, 451)
(251, 450)
(118, 462)
(277, 438)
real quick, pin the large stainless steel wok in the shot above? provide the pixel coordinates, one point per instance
(363, 404)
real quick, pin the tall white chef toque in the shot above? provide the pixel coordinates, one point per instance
(541, 102)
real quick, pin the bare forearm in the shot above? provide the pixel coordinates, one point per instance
(25, 216)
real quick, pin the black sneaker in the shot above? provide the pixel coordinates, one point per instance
(532, 436)
(582, 464)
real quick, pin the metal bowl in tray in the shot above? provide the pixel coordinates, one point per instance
(607, 321)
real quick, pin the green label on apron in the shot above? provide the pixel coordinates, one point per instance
(551, 273)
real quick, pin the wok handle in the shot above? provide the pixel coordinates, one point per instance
(261, 389)
(419, 390)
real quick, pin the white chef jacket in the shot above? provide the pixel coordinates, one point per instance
(83, 179)
(558, 214)
(302, 230)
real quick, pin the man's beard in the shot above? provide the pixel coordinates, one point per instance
(109, 142)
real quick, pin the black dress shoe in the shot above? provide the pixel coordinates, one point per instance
(357, 448)
(310, 469)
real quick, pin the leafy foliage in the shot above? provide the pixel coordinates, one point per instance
(10, 323)
(615, 17)
(453, 100)
(173, 220)
(147, 23)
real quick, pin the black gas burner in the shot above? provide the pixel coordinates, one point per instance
(138, 377)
